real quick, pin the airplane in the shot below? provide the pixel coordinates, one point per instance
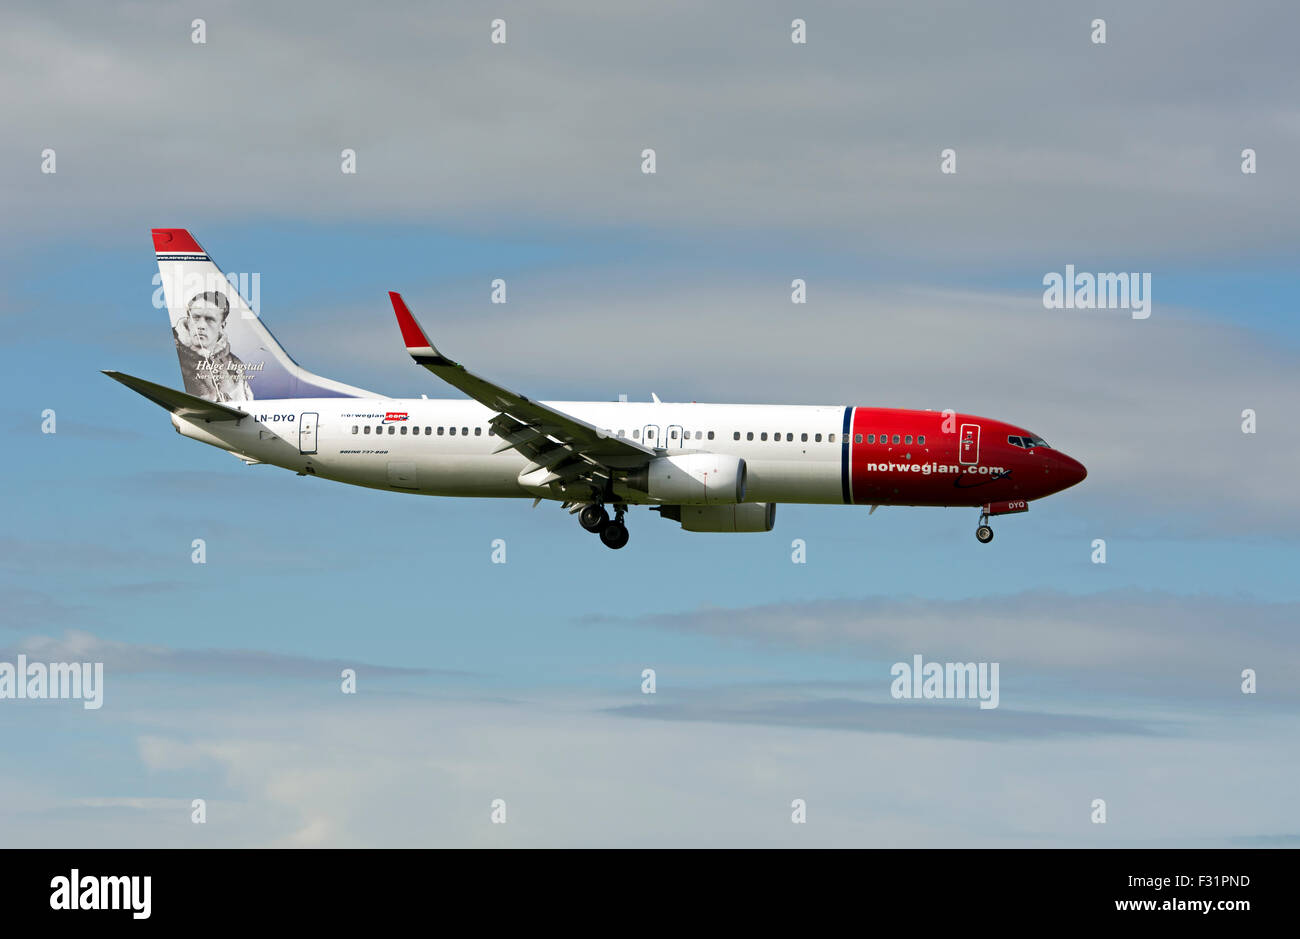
(708, 467)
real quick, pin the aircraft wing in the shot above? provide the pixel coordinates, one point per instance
(566, 446)
(178, 402)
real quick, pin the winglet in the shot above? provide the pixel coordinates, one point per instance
(417, 343)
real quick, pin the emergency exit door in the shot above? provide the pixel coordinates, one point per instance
(968, 449)
(307, 432)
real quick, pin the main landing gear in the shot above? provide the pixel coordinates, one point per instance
(594, 518)
(984, 533)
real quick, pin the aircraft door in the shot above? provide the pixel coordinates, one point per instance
(650, 436)
(968, 447)
(673, 437)
(307, 432)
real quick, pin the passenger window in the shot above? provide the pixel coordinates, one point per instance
(464, 431)
(735, 435)
(392, 429)
(403, 430)
(803, 438)
(355, 429)
(871, 438)
(710, 435)
(789, 437)
(428, 431)
(920, 441)
(857, 438)
(907, 439)
(620, 433)
(636, 435)
(440, 431)
(749, 435)
(416, 430)
(830, 438)
(895, 438)
(492, 431)
(763, 436)
(451, 431)
(817, 438)
(478, 431)
(367, 428)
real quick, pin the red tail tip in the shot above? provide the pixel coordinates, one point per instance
(174, 239)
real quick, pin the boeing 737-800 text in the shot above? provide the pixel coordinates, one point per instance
(710, 467)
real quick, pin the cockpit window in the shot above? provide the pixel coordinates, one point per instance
(1028, 443)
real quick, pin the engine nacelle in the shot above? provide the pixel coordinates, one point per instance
(692, 479)
(747, 516)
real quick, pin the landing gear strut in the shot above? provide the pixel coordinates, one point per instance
(614, 534)
(984, 534)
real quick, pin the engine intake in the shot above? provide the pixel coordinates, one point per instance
(692, 479)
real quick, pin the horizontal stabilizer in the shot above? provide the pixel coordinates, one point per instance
(178, 402)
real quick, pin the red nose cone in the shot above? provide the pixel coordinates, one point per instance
(1071, 470)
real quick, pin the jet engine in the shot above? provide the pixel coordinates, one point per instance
(691, 479)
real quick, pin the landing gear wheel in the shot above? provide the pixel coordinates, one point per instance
(984, 534)
(594, 518)
(614, 535)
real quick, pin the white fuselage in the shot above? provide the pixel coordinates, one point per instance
(362, 441)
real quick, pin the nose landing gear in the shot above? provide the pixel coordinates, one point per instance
(984, 533)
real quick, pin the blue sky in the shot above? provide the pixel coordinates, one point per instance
(522, 680)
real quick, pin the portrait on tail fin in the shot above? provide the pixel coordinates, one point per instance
(210, 369)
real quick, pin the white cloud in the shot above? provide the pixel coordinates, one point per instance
(305, 775)
(1134, 643)
(1063, 146)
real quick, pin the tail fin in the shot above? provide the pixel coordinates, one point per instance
(226, 353)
